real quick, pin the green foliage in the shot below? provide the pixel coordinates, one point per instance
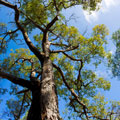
(19, 63)
(114, 61)
(98, 106)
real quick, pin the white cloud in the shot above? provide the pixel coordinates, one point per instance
(106, 5)
(112, 51)
(111, 2)
(90, 18)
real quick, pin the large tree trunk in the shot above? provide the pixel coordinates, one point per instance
(49, 100)
(45, 102)
(44, 98)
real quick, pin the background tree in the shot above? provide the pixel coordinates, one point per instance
(115, 61)
(57, 61)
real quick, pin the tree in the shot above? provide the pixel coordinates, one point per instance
(115, 59)
(56, 64)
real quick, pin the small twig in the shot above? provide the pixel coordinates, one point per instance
(23, 91)
(74, 59)
(18, 117)
(69, 49)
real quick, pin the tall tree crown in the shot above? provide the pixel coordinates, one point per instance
(42, 26)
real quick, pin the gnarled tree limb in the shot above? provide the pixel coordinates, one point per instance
(71, 90)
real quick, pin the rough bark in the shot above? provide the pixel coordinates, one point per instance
(44, 104)
(49, 100)
(44, 98)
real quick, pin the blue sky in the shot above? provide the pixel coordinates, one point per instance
(108, 15)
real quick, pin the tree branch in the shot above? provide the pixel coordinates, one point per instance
(38, 54)
(23, 91)
(33, 22)
(72, 57)
(79, 72)
(7, 4)
(69, 49)
(21, 108)
(66, 84)
(10, 32)
(58, 44)
(16, 80)
(51, 23)
(56, 7)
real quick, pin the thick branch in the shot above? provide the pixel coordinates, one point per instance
(7, 4)
(16, 80)
(51, 23)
